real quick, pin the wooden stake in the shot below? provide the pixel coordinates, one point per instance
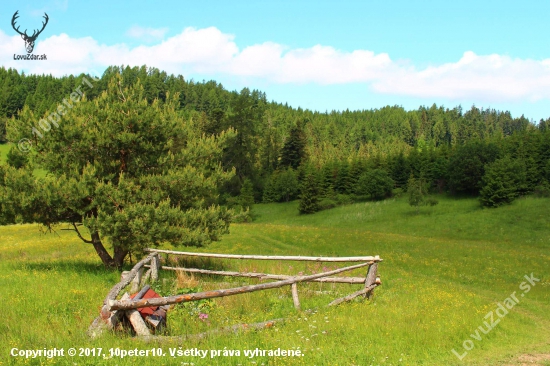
(295, 296)
(118, 305)
(142, 292)
(364, 291)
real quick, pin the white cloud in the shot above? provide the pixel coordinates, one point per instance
(146, 34)
(487, 78)
(492, 78)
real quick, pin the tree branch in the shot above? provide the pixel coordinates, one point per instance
(120, 90)
(80, 236)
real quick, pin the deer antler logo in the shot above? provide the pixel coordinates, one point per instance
(29, 40)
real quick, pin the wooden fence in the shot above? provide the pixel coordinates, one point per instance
(113, 310)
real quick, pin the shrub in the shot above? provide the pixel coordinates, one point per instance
(431, 201)
(376, 183)
(327, 203)
(282, 186)
(502, 182)
(241, 215)
(344, 199)
(397, 192)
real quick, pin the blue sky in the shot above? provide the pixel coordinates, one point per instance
(320, 55)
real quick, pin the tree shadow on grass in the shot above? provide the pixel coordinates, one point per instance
(67, 266)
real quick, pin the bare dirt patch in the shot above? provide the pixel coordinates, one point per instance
(531, 360)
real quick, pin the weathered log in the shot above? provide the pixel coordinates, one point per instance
(371, 278)
(137, 322)
(99, 324)
(158, 318)
(352, 296)
(265, 276)
(118, 305)
(105, 320)
(135, 317)
(123, 275)
(295, 298)
(137, 280)
(126, 281)
(270, 257)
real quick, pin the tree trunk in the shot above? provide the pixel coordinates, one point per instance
(101, 251)
(116, 261)
(119, 256)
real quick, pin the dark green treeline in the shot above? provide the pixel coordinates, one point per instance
(349, 153)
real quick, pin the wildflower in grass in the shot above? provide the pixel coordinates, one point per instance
(203, 316)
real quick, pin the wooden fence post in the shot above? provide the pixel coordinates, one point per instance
(155, 264)
(371, 278)
(295, 298)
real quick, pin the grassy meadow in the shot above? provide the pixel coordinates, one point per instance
(444, 269)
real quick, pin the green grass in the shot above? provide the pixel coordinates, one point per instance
(4, 149)
(444, 269)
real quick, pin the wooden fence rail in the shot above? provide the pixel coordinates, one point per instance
(269, 257)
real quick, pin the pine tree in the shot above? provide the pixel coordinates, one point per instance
(343, 184)
(467, 166)
(3, 123)
(309, 196)
(287, 185)
(400, 170)
(122, 171)
(293, 152)
(502, 182)
(418, 193)
(270, 189)
(357, 168)
(328, 179)
(246, 197)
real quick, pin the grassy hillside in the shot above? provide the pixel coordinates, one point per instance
(444, 269)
